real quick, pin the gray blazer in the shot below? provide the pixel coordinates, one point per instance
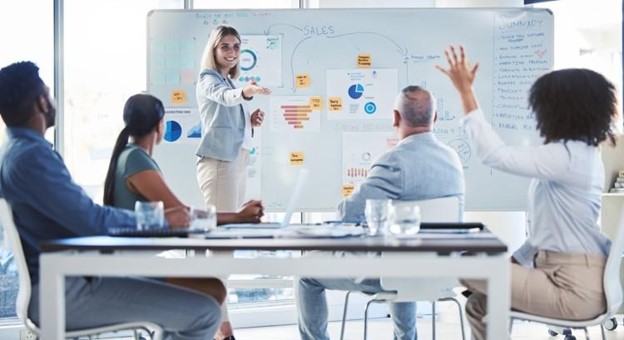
(223, 116)
(419, 167)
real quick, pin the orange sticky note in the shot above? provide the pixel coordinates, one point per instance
(178, 97)
(302, 81)
(296, 158)
(347, 189)
(335, 104)
(316, 103)
(364, 61)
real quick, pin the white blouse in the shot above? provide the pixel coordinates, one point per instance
(564, 195)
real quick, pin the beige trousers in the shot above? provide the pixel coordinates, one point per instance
(562, 285)
(223, 183)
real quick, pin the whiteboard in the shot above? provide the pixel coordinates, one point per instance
(334, 74)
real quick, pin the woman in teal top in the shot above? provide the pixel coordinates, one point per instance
(133, 175)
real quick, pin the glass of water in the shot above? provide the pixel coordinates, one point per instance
(149, 215)
(203, 220)
(376, 212)
(404, 218)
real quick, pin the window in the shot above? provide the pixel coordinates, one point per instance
(105, 63)
(22, 41)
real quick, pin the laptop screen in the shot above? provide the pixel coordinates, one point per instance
(295, 196)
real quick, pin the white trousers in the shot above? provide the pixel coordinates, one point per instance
(223, 183)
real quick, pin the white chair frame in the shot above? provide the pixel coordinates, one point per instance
(612, 288)
(24, 293)
(445, 209)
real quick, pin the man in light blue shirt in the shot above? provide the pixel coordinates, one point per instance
(47, 204)
(419, 167)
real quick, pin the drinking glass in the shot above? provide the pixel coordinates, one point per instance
(376, 212)
(149, 215)
(404, 218)
(203, 220)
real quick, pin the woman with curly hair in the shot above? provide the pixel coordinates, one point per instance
(558, 271)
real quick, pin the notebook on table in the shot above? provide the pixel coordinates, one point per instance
(165, 232)
(451, 227)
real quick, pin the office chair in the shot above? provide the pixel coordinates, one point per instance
(23, 295)
(407, 290)
(612, 289)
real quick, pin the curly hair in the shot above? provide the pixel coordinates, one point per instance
(20, 85)
(574, 104)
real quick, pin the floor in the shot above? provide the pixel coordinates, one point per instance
(381, 329)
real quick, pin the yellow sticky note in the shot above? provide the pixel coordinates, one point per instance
(335, 104)
(347, 189)
(296, 158)
(178, 97)
(364, 61)
(316, 103)
(302, 80)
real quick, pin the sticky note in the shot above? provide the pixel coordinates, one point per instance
(316, 103)
(347, 189)
(335, 104)
(302, 81)
(296, 158)
(364, 61)
(178, 97)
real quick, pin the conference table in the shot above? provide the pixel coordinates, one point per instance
(429, 256)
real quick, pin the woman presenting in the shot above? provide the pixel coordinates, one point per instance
(227, 129)
(227, 126)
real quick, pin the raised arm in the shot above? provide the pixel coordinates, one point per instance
(462, 75)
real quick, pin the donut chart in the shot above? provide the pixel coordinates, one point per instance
(248, 60)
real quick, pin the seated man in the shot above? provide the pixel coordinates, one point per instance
(47, 204)
(419, 167)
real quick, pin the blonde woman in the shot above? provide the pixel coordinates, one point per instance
(227, 126)
(227, 129)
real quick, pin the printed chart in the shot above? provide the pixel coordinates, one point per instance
(295, 113)
(261, 60)
(361, 93)
(359, 151)
(182, 125)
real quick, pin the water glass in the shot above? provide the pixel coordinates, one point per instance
(376, 212)
(149, 215)
(404, 218)
(203, 219)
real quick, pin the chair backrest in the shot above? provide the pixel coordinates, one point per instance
(612, 284)
(12, 236)
(446, 209)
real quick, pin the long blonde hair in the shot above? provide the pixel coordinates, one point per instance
(208, 60)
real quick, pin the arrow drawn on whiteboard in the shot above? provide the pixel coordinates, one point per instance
(268, 29)
(401, 50)
(292, 56)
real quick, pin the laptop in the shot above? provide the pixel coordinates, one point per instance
(293, 204)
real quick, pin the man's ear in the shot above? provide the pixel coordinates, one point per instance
(396, 118)
(42, 104)
(435, 116)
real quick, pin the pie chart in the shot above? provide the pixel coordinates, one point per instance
(173, 131)
(356, 91)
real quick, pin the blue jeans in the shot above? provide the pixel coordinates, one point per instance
(182, 313)
(312, 307)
